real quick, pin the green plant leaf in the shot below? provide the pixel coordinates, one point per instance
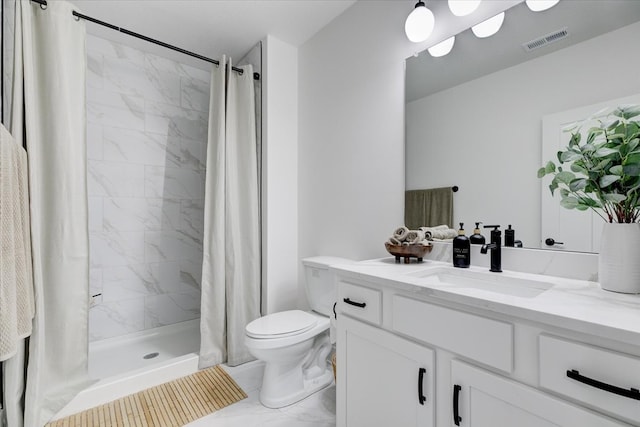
(615, 136)
(632, 169)
(575, 167)
(569, 202)
(610, 124)
(614, 197)
(631, 131)
(627, 112)
(550, 167)
(604, 152)
(616, 170)
(593, 133)
(607, 180)
(570, 156)
(592, 203)
(602, 165)
(631, 158)
(575, 139)
(578, 184)
(565, 177)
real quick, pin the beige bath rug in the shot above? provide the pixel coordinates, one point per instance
(171, 404)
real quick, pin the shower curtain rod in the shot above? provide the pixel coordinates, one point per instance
(43, 5)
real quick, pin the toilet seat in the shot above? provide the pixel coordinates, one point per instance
(282, 324)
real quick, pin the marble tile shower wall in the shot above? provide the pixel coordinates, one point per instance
(146, 147)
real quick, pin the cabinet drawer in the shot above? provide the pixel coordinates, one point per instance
(485, 340)
(600, 378)
(360, 302)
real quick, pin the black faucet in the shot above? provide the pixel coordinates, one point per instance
(494, 247)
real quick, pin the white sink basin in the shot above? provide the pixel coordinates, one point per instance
(501, 283)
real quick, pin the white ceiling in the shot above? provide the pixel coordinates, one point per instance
(212, 27)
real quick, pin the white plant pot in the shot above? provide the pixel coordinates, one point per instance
(619, 259)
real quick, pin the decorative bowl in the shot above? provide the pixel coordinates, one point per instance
(408, 251)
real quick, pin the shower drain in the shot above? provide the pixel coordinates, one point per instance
(151, 355)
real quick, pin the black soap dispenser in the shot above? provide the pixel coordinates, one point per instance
(461, 249)
(510, 237)
(477, 238)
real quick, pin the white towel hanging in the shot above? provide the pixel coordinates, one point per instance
(16, 277)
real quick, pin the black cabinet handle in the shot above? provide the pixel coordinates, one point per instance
(456, 398)
(357, 304)
(632, 393)
(421, 397)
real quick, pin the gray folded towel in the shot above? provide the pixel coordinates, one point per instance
(438, 232)
(394, 241)
(401, 233)
(443, 234)
(415, 236)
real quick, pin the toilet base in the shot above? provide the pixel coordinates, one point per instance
(310, 387)
(289, 380)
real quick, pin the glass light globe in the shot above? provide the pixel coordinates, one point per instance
(463, 7)
(489, 27)
(442, 48)
(419, 24)
(540, 5)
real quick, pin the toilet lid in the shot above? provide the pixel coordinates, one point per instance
(281, 324)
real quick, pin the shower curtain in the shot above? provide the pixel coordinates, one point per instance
(231, 255)
(48, 114)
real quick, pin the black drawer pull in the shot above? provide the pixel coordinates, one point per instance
(421, 397)
(632, 393)
(357, 304)
(456, 398)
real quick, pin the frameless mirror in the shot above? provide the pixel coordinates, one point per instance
(474, 117)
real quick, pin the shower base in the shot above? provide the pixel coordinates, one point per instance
(118, 355)
(119, 367)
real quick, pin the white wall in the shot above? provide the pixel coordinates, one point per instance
(485, 135)
(279, 175)
(351, 149)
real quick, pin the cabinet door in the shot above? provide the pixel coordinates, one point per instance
(485, 399)
(383, 380)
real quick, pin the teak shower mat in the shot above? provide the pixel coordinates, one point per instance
(171, 404)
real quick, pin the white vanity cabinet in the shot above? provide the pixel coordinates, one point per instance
(389, 380)
(474, 366)
(484, 399)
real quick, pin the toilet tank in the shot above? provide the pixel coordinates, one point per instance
(319, 282)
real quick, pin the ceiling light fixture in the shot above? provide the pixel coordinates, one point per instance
(489, 27)
(419, 24)
(463, 7)
(540, 5)
(442, 48)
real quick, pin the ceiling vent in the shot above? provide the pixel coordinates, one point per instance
(546, 40)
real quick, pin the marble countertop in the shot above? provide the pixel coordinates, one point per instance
(578, 305)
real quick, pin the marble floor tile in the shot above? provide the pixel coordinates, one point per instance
(317, 410)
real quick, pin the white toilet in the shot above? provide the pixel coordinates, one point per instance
(295, 344)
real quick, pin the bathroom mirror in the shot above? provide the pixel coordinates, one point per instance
(474, 117)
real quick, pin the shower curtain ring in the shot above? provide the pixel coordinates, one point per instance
(43, 6)
(77, 18)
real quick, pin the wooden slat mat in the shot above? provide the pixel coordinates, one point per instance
(174, 403)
